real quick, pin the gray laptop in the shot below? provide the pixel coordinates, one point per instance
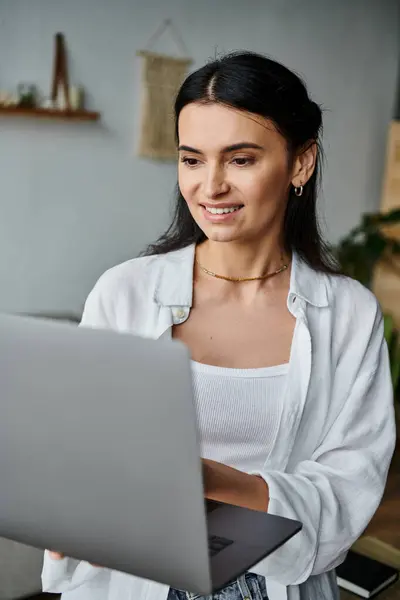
(99, 458)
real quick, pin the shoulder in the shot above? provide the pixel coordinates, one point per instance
(146, 273)
(124, 290)
(338, 295)
(348, 294)
(130, 275)
(351, 301)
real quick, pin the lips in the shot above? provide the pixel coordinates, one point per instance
(221, 212)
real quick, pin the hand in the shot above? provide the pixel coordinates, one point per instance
(225, 484)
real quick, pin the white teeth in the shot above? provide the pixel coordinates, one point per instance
(222, 211)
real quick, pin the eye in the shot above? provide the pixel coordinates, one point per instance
(190, 162)
(243, 161)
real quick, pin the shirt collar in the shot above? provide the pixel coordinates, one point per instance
(308, 284)
(175, 280)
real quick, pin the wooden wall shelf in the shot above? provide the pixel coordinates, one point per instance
(49, 113)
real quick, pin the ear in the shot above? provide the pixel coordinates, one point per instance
(304, 164)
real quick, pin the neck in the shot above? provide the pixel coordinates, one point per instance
(233, 259)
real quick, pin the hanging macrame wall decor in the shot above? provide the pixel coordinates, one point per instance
(162, 76)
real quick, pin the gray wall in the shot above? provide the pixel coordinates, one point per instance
(75, 199)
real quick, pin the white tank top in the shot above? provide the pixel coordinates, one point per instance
(238, 412)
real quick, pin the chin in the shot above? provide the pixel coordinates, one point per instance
(215, 235)
(220, 232)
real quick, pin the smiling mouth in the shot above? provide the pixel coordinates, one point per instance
(222, 211)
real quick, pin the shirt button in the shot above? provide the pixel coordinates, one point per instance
(180, 314)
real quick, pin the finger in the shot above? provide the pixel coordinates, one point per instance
(56, 555)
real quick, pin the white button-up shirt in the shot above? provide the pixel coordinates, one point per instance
(329, 463)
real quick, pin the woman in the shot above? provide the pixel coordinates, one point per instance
(290, 367)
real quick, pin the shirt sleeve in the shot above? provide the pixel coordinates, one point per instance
(336, 492)
(68, 574)
(99, 311)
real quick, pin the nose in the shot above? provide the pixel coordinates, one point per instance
(215, 182)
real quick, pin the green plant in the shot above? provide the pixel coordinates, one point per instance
(358, 254)
(392, 337)
(367, 244)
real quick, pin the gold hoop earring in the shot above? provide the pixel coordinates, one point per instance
(299, 190)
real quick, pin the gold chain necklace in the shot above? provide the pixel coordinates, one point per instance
(242, 279)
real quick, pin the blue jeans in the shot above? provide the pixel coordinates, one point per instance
(247, 587)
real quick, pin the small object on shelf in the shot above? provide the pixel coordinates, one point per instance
(60, 74)
(26, 95)
(61, 103)
(8, 99)
(76, 97)
(365, 576)
(46, 103)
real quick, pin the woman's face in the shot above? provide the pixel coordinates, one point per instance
(234, 172)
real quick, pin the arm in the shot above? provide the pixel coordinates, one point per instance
(336, 492)
(225, 484)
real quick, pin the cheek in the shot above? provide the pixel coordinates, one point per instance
(267, 184)
(188, 183)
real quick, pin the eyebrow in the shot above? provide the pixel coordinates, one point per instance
(227, 149)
